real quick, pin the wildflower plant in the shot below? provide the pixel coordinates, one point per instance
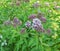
(29, 25)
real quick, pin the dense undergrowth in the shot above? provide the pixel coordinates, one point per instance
(29, 25)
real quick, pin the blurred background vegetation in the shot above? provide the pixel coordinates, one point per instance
(22, 9)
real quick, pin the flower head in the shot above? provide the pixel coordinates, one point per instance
(8, 22)
(38, 28)
(28, 24)
(16, 21)
(40, 14)
(57, 7)
(26, 0)
(48, 31)
(37, 25)
(43, 19)
(32, 16)
(17, 2)
(36, 4)
(47, 4)
(23, 30)
(36, 21)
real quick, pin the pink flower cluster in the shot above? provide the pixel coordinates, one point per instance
(36, 23)
(15, 22)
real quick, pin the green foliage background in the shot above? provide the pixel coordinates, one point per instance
(37, 41)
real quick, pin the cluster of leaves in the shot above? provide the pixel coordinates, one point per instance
(15, 34)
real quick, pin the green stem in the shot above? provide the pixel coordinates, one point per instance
(37, 42)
